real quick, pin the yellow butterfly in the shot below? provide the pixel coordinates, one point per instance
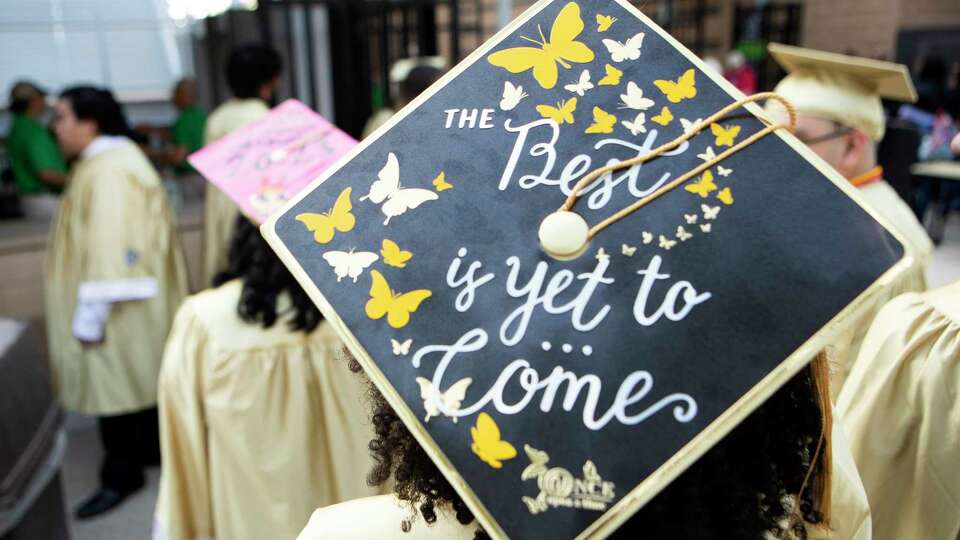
(603, 122)
(725, 196)
(604, 22)
(561, 48)
(440, 182)
(684, 88)
(393, 255)
(488, 445)
(702, 187)
(725, 135)
(562, 113)
(664, 118)
(396, 306)
(612, 78)
(339, 218)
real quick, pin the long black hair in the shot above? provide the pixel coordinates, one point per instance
(265, 278)
(743, 488)
(99, 105)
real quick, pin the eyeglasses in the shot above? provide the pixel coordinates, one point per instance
(838, 131)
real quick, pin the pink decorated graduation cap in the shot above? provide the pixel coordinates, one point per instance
(266, 162)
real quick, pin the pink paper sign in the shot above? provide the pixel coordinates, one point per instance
(266, 162)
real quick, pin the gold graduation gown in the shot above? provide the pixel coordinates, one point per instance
(220, 212)
(380, 517)
(884, 199)
(902, 415)
(113, 223)
(258, 426)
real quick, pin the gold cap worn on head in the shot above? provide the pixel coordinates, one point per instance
(845, 89)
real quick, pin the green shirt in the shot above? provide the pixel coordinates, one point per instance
(188, 131)
(31, 149)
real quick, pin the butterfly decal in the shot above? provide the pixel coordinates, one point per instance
(629, 50)
(702, 187)
(636, 126)
(562, 49)
(349, 264)
(647, 237)
(708, 154)
(689, 126)
(706, 227)
(682, 234)
(725, 135)
(664, 118)
(666, 243)
(580, 87)
(396, 200)
(393, 255)
(397, 307)
(710, 212)
(634, 99)
(723, 171)
(603, 122)
(512, 96)
(629, 251)
(612, 77)
(604, 22)
(440, 182)
(401, 349)
(683, 88)
(562, 113)
(325, 225)
(691, 219)
(725, 196)
(488, 444)
(451, 399)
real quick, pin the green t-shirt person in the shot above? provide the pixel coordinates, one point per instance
(31, 149)
(188, 133)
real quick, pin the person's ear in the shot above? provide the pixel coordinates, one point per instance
(855, 147)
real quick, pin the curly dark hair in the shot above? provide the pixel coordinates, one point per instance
(742, 488)
(265, 278)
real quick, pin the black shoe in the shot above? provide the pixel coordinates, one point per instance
(104, 500)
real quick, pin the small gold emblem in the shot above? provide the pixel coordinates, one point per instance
(561, 489)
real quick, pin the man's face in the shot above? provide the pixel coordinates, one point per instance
(827, 139)
(73, 134)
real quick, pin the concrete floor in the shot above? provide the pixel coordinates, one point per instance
(133, 520)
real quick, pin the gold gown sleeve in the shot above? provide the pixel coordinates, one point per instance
(902, 415)
(184, 505)
(850, 511)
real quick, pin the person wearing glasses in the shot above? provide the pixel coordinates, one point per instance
(841, 119)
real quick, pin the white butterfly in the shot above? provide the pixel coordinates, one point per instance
(723, 171)
(634, 99)
(628, 250)
(401, 349)
(706, 227)
(580, 87)
(387, 188)
(688, 125)
(625, 51)
(647, 237)
(682, 234)
(512, 96)
(710, 212)
(349, 264)
(708, 154)
(637, 126)
(666, 243)
(451, 399)
(690, 218)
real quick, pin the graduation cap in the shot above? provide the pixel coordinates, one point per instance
(262, 165)
(564, 322)
(845, 89)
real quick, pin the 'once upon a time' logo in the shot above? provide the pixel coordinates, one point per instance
(559, 488)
